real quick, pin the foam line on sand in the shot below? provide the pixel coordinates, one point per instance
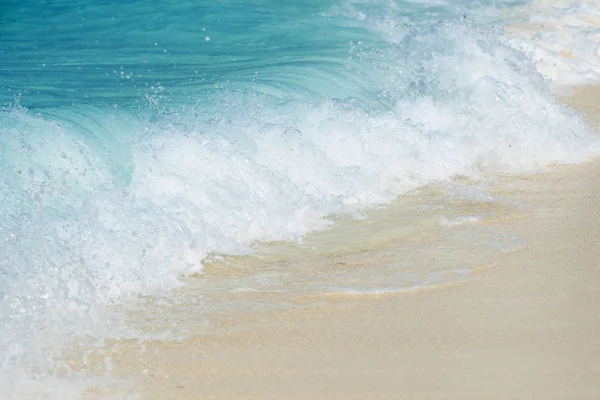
(526, 329)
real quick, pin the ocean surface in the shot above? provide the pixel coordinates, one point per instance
(144, 144)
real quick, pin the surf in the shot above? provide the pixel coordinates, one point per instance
(190, 143)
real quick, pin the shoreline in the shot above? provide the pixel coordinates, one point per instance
(525, 328)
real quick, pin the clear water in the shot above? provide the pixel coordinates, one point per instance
(110, 52)
(138, 139)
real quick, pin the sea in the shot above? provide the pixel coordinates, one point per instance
(165, 164)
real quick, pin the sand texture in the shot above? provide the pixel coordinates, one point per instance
(527, 328)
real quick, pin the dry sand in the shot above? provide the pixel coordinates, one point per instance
(528, 328)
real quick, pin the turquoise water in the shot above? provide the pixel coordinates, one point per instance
(139, 138)
(110, 52)
(57, 53)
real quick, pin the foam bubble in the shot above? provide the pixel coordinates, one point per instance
(562, 38)
(458, 221)
(100, 206)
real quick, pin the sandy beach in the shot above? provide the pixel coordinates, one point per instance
(526, 328)
(335, 200)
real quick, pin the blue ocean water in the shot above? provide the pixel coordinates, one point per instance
(138, 138)
(103, 53)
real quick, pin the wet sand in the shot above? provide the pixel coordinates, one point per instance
(526, 328)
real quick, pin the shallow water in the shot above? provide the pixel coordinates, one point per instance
(214, 158)
(427, 238)
(561, 37)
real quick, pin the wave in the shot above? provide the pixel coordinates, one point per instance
(101, 203)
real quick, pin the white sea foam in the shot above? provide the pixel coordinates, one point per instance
(458, 221)
(88, 220)
(562, 38)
